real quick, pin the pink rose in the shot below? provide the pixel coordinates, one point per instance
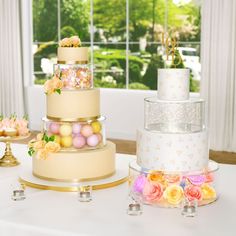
(192, 192)
(152, 191)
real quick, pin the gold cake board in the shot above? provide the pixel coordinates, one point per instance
(121, 175)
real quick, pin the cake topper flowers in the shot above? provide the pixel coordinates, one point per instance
(73, 41)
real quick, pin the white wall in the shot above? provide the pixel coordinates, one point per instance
(124, 110)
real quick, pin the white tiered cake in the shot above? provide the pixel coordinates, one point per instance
(73, 145)
(172, 149)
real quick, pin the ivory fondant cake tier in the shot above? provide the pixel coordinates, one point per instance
(172, 152)
(77, 166)
(72, 55)
(72, 105)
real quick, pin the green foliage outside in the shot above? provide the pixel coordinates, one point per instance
(146, 20)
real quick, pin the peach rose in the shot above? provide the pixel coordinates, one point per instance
(42, 154)
(49, 87)
(39, 136)
(75, 41)
(31, 143)
(152, 191)
(39, 144)
(173, 178)
(57, 83)
(64, 42)
(156, 176)
(208, 192)
(173, 194)
(52, 147)
(192, 192)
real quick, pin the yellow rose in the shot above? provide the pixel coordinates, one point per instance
(39, 145)
(208, 192)
(49, 87)
(174, 194)
(39, 136)
(42, 154)
(157, 176)
(52, 147)
(57, 83)
(31, 143)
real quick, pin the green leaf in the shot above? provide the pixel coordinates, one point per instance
(52, 138)
(58, 91)
(31, 151)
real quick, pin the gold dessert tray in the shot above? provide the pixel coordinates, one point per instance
(8, 159)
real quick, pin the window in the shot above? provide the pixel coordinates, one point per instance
(123, 36)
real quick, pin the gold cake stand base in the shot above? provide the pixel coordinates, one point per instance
(8, 160)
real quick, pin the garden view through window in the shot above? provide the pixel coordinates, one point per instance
(124, 37)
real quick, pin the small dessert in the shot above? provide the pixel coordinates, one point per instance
(1, 132)
(11, 132)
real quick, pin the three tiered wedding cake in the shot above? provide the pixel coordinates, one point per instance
(172, 149)
(73, 145)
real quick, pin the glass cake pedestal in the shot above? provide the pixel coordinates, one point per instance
(169, 189)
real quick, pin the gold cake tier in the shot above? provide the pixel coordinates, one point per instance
(71, 55)
(74, 105)
(77, 166)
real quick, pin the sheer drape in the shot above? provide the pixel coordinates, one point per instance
(218, 55)
(11, 79)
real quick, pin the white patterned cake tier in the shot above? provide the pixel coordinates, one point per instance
(172, 152)
(173, 84)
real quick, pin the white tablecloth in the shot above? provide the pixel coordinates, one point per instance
(46, 213)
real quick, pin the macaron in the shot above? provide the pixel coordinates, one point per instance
(66, 141)
(65, 130)
(86, 130)
(93, 140)
(96, 125)
(79, 141)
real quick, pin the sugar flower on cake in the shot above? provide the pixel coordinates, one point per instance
(152, 191)
(173, 178)
(196, 179)
(156, 176)
(173, 194)
(53, 85)
(192, 192)
(73, 41)
(139, 183)
(43, 145)
(208, 192)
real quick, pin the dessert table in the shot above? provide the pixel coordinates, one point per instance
(50, 213)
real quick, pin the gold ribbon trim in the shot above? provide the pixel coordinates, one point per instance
(74, 188)
(72, 62)
(72, 119)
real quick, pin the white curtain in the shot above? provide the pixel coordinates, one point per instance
(218, 86)
(11, 74)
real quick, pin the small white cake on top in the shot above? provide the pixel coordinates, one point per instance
(173, 84)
